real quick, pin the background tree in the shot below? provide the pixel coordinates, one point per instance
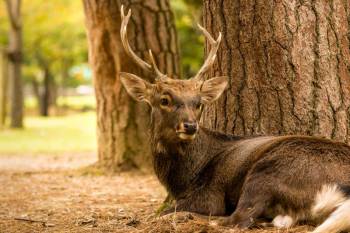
(123, 124)
(289, 67)
(54, 44)
(188, 14)
(15, 59)
(53, 47)
(3, 86)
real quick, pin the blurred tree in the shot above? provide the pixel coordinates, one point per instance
(188, 14)
(15, 60)
(289, 67)
(122, 123)
(54, 41)
(53, 46)
(3, 86)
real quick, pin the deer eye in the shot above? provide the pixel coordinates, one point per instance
(199, 106)
(164, 102)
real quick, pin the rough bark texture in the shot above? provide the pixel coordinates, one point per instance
(15, 61)
(122, 123)
(289, 67)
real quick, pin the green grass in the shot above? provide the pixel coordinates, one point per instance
(72, 102)
(53, 135)
(77, 102)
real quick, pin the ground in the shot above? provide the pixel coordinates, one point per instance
(45, 194)
(46, 185)
(51, 136)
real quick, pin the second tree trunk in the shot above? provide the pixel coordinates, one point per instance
(288, 63)
(122, 123)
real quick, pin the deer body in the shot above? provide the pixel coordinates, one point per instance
(287, 179)
(218, 174)
(204, 174)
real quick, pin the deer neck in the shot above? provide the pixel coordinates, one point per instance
(177, 165)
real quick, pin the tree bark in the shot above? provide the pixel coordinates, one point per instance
(15, 61)
(289, 67)
(122, 123)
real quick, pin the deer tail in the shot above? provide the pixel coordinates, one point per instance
(332, 204)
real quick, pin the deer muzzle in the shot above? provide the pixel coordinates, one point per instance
(187, 130)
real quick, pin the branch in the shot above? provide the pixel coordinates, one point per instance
(14, 19)
(44, 223)
(28, 220)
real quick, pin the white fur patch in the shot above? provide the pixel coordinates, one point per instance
(327, 200)
(187, 136)
(338, 221)
(283, 221)
(332, 205)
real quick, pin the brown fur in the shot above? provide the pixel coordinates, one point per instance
(244, 177)
(286, 178)
(278, 176)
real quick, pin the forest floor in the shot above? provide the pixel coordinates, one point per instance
(43, 194)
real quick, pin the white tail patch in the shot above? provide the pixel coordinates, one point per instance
(338, 221)
(283, 221)
(332, 204)
(327, 200)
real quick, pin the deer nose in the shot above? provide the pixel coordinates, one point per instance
(190, 127)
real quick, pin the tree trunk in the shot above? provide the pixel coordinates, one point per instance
(53, 93)
(3, 87)
(46, 94)
(15, 60)
(36, 93)
(122, 123)
(289, 67)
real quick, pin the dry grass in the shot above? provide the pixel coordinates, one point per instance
(63, 201)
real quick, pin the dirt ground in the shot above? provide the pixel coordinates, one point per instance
(42, 194)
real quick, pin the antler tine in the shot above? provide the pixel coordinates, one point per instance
(123, 33)
(160, 75)
(212, 54)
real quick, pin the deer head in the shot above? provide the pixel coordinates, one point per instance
(176, 104)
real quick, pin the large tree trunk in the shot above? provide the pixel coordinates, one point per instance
(122, 123)
(15, 60)
(289, 67)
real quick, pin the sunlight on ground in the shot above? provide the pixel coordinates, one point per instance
(53, 135)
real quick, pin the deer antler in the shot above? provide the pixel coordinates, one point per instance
(144, 65)
(212, 54)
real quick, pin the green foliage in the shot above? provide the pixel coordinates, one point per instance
(4, 26)
(187, 15)
(53, 38)
(55, 135)
(76, 103)
(194, 3)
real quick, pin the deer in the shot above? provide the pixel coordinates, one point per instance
(285, 180)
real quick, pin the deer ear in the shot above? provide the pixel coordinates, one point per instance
(212, 89)
(137, 88)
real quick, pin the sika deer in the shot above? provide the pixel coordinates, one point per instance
(287, 179)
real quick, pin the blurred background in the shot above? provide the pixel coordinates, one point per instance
(55, 85)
